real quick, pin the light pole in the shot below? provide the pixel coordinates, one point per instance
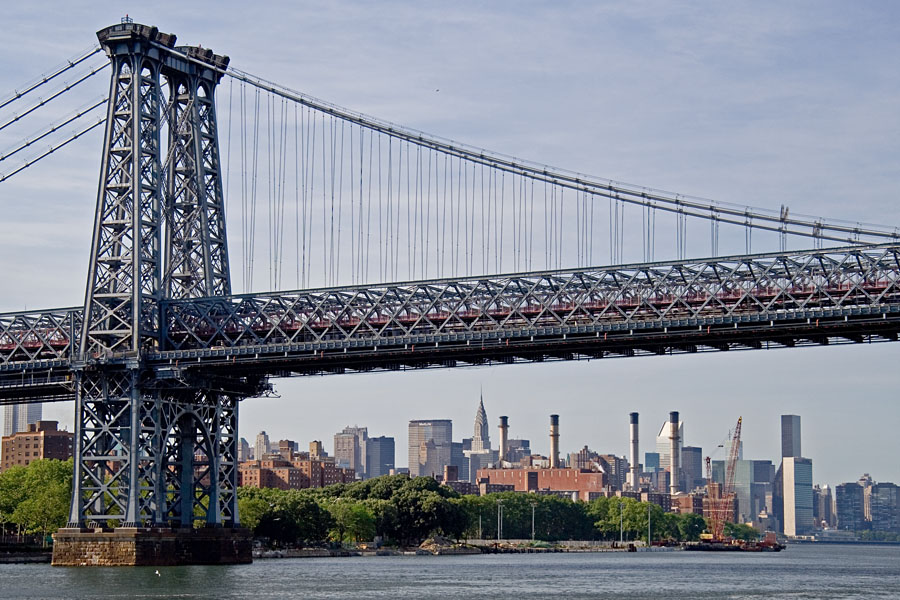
(621, 527)
(533, 505)
(648, 526)
(499, 519)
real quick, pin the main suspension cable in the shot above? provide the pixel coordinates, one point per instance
(55, 95)
(681, 206)
(52, 149)
(70, 64)
(53, 128)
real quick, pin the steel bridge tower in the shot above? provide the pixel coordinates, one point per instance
(154, 447)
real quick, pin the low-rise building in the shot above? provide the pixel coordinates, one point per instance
(581, 481)
(41, 440)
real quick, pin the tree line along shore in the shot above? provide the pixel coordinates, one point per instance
(395, 509)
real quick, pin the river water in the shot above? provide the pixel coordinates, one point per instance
(802, 571)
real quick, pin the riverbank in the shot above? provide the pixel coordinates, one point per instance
(444, 547)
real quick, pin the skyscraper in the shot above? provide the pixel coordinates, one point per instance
(798, 495)
(17, 417)
(692, 466)
(822, 506)
(350, 449)
(244, 451)
(848, 506)
(664, 443)
(479, 455)
(885, 507)
(481, 440)
(429, 446)
(790, 436)
(262, 445)
(379, 456)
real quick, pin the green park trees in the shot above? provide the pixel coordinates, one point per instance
(35, 499)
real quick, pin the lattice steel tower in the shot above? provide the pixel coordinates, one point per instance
(154, 445)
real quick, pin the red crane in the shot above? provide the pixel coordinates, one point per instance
(721, 497)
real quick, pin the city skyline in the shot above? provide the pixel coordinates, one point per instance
(715, 451)
(757, 105)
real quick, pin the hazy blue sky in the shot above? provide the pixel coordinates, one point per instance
(756, 103)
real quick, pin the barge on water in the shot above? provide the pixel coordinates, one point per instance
(769, 544)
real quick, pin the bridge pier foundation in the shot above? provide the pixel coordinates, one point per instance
(151, 546)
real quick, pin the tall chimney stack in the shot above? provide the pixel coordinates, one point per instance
(554, 441)
(504, 438)
(634, 475)
(674, 455)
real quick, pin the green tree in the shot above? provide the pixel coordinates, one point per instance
(352, 521)
(690, 526)
(12, 493)
(741, 531)
(43, 506)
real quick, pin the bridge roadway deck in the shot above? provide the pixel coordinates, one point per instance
(757, 301)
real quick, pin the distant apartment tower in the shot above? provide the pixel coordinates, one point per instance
(40, 440)
(380, 455)
(429, 446)
(261, 447)
(17, 417)
(350, 449)
(790, 436)
(797, 495)
(848, 506)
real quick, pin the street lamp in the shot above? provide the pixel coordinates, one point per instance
(499, 519)
(621, 527)
(648, 526)
(533, 505)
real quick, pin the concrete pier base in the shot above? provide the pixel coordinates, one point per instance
(151, 546)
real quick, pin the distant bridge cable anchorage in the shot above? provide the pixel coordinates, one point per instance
(808, 226)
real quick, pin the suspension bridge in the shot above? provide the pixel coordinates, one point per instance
(404, 250)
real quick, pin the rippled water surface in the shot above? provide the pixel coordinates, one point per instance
(802, 571)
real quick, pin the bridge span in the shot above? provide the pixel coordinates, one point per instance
(844, 295)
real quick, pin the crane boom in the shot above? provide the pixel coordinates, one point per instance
(721, 497)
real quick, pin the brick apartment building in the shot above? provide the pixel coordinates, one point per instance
(299, 471)
(42, 440)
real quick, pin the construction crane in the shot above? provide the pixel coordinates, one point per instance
(721, 496)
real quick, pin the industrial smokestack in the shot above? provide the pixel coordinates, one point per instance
(504, 437)
(634, 452)
(674, 455)
(554, 441)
